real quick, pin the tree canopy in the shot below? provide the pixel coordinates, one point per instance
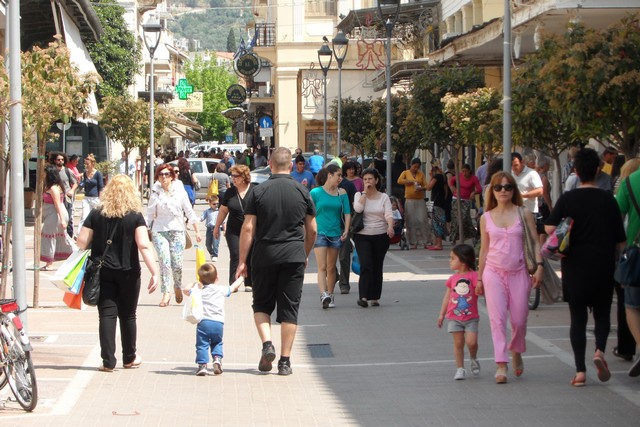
(116, 55)
(213, 80)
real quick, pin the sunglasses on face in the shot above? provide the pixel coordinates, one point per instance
(176, 171)
(235, 176)
(164, 174)
(499, 187)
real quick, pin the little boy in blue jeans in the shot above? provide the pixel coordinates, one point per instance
(210, 329)
(210, 216)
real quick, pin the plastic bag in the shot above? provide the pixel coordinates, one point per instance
(355, 262)
(200, 259)
(65, 276)
(192, 311)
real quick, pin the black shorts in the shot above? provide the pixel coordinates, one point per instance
(281, 285)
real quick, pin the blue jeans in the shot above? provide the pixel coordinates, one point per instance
(211, 242)
(208, 336)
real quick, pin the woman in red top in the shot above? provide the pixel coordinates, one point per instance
(467, 189)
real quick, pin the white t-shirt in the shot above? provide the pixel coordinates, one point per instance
(529, 180)
(213, 301)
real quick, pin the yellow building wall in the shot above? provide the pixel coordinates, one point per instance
(492, 9)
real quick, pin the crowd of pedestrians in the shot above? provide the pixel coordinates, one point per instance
(306, 204)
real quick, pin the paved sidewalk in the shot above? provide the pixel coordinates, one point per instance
(386, 366)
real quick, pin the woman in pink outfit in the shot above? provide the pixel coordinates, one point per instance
(503, 271)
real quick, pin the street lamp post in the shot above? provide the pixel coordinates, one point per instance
(340, 45)
(64, 127)
(392, 16)
(325, 56)
(506, 89)
(152, 32)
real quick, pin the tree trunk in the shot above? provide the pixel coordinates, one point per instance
(37, 224)
(556, 190)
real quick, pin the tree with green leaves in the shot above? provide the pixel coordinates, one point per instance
(593, 82)
(52, 90)
(355, 121)
(213, 80)
(116, 55)
(126, 120)
(231, 41)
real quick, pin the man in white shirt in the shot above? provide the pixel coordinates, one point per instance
(528, 181)
(122, 166)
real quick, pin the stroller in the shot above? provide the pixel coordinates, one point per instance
(399, 232)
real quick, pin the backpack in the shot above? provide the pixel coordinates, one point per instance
(213, 188)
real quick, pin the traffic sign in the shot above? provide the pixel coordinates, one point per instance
(265, 122)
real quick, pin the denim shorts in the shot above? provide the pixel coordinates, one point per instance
(470, 325)
(632, 297)
(323, 241)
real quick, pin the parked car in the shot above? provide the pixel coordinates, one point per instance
(203, 169)
(260, 175)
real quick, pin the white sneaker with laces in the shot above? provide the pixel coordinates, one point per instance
(475, 367)
(325, 300)
(461, 373)
(332, 304)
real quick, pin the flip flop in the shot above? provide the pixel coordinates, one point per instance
(45, 268)
(602, 367)
(518, 364)
(578, 383)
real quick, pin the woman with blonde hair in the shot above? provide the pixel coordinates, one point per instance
(117, 231)
(92, 182)
(168, 205)
(232, 206)
(502, 272)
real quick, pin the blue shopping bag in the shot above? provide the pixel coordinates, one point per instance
(77, 283)
(355, 262)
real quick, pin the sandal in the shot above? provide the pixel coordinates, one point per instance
(518, 364)
(46, 268)
(602, 367)
(362, 303)
(575, 382)
(166, 299)
(135, 364)
(178, 293)
(501, 374)
(375, 304)
(103, 368)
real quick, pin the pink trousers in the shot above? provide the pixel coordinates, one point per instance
(507, 294)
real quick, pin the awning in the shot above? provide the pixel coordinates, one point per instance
(418, 12)
(172, 50)
(81, 59)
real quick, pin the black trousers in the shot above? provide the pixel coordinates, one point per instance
(371, 252)
(344, 256)
(578, 330)
(119, 292)
(626, 343)
(233, 243)
(69, 207)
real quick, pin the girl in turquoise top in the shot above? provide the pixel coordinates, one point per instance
(333, 216)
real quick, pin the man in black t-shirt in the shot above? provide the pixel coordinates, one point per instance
(280, 216)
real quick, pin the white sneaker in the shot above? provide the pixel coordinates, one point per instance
(214, 259)
(461, 373)
(475, 367)
(325, 299)
(332, 304)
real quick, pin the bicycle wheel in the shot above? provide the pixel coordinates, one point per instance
(20, 374)
(534, 298)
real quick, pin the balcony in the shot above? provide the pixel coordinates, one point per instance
(266, 35)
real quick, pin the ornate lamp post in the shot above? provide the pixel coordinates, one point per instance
(392, 16)
(325, 57)
(340, 44)
(152, 32)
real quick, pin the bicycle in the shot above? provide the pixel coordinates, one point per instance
(15, 357)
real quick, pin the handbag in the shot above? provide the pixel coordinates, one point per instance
(188, 244)
(193, 311)
(529, 243)
(213, 188)
(91, 288)
(627, 271)
(557, 244)
(355, 261)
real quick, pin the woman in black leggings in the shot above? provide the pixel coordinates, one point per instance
(587, 271)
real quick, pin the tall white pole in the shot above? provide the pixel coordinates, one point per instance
(326, 146)
(506, 86)
(152, 165)
(389, 27)
(17, 148)
(339, 107)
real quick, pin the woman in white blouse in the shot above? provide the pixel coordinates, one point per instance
(168, 206)
(372, 242)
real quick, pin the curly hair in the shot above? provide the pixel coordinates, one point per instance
(242, 170)
(120, 197)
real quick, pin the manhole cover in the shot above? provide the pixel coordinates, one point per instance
(320, 350)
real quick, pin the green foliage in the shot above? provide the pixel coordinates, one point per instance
(211, 27)
(593, 81)
(231, 41)
(356, 122)
(427, 92)
(405, 136)
(207, 77)
(116, 55)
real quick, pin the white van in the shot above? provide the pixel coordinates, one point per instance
(232, 147)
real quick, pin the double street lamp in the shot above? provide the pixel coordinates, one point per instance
(340, 45)
(325, 57)
(392, 16)
(152, 32)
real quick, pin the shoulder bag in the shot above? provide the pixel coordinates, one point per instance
(357, 221)
(529, 243)
(557, 244)
(91, 288)
(628, 268)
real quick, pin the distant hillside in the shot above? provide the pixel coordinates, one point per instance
(211, 25)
